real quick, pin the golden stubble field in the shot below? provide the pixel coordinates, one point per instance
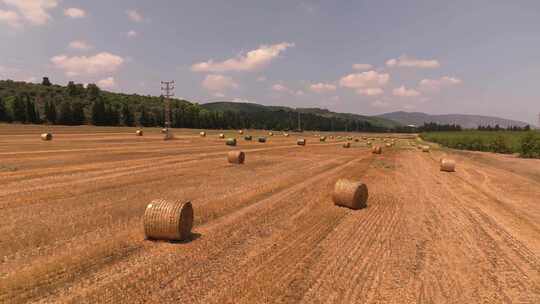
(266, 231)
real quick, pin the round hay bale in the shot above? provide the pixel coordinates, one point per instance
(448, 165)
(425, 148)
(236, 157)
(262, 139)
(356, 140)
(166, 220)
(202, 134)
(388, 145)
(368, 143)
(270, 133)
(221, 135)
(139, 132)
(301, 142)
(347, 145)
(240, 131)
(350, 194)
(46, 136)
(322, 138)
(286, 134)
(248, 137)
(164, 130)
(231, 142)
(376, 150)
(349, 137)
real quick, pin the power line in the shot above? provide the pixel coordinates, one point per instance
(167, 87)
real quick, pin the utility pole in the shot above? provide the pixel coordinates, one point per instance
(167, 87)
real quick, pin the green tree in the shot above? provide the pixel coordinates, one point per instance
(92, 91)
(30, 111)
(145, 119)
(18, 108)
(46, 82)
(77, 109)
(127, 116)
(4, 115)
(50, 112)
(65, 114)
(98, 112)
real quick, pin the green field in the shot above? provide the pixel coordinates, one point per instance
(527, 144)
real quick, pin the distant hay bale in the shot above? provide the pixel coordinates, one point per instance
(364, 138)
(356, 140)
(368, 143)
(286, 134)
(139, 132)
(231, 142)
(202, 134)
(448, 165)
(164, 130)
(376, 150)
(166, 220)
(388, 145)
(236, 157)
(262, 139)
(347, 145)
(349, 137)
(46, 136)
(301, 142)
(221, 135)
(240, 131)
(322, 138)
(248, 137)
(350, 194)
(425, 148)
(270, 133)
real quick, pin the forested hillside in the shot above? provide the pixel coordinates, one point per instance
(76, 104)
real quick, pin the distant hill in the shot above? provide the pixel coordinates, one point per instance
(252, 108)
(465, 121)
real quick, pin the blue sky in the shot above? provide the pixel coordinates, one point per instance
(366, 57)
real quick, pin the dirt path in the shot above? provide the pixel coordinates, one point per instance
(265, 232)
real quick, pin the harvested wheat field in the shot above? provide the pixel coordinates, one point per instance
(267, 231)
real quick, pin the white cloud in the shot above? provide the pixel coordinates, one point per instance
(134, 15)
(74, 12)
(402, 91)
(261, 79)
(335, 98)
(241, 100)
(218, 83)
(107, 83)
(299, 93)
(79, 45)
(434, 85)
(370, 91)
(280, 88)
(132, 34)
(362, 66)
(10, 18)
(34, 11)
(380, 104)
(322, 87)
(250, 61)
(77, 65)
(364, 80)
(409, 62)
(218, 94)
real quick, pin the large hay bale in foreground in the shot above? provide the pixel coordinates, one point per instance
(350, 194)
(231, 142)
(425, 148)
(248, 137)
(166, 220)
(46, 136)
(347, 145)
(202, 134)
(262, 139)
(301, 142)
(376, 150)
(139, 132)
(448, 165)
(322, 138)
(236, 157)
